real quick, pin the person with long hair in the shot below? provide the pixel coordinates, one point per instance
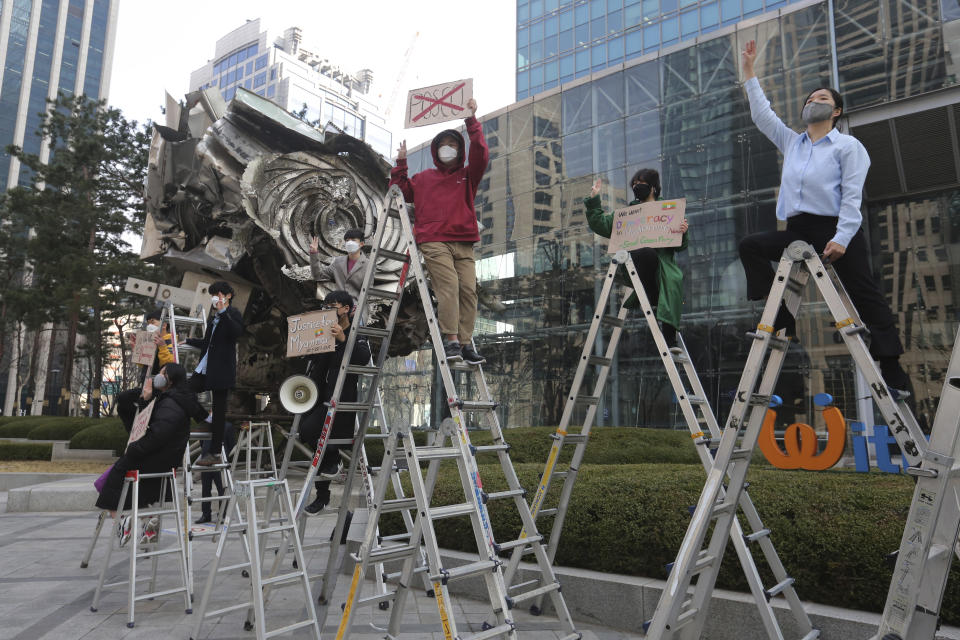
(821, 187)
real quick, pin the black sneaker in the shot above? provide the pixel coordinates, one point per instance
(207, 460)
(205, 518)
(315, 507)
(470, 355)
(452, 351)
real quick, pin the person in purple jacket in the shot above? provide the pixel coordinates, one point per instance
(821, 188)
(446, 228)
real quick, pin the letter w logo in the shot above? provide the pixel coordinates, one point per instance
(800, 442)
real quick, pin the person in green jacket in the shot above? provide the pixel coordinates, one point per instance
(661, 277)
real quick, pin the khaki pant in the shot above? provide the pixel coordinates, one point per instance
(454, 278)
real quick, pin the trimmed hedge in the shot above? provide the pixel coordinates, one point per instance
(105, 434)
(48, 427)
(21, 426)
(25, 451)
(832, 530)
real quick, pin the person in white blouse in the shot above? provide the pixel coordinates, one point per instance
(820, 193)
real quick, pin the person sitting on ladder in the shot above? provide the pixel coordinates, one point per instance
(820, 191)
(159, 450)
(127, 400)
(345, 271)
(324, 371)
(661, 277)
(446, 228)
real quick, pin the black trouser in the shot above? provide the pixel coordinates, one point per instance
(310, 428)
(758, 250)
(127, 406)
(198, 384)
(648, 268)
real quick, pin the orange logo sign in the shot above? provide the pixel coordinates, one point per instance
(800, 442)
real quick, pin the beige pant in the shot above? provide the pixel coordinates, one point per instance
(454, 278)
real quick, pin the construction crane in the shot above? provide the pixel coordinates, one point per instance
(401, 75)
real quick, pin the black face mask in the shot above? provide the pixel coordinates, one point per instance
(641, 191)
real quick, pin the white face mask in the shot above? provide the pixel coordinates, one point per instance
(446, 153)
(351, 246)
(152, 327)
(159, 381)
(215, 299)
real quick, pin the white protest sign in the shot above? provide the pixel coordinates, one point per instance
(140, 423)
(144, 348)
(439, 103)
(309, 333)
(648, 224)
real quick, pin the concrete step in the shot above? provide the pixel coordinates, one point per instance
(72, 494)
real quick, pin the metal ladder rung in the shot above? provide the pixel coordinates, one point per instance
(686, 616)
(354, 407)
(155, 512)
(377, 599)
(477, 405)
(723, 508)
(452, 511)
(233, 607)
(585, 399)
(599, 361)
(157, 594)
(466, 570)
(363, 370)
(287, 629)
(575, 438)
(158, 552)
(386, 554)
(681, 358)
(500, 495)
(741, 454)
(697, 399)
(492, 632)
(373, 292)
(282, 578)
(506, 546)
(535, 593)
(521, 585)
(392, 255)
(399, 504)
(209, 467)
(491, 448)
(778, 588)
(612, 321)
(395, 537)
(438, 453)
(753, 537)
(188, 320)
(547, 512)
(372, 332)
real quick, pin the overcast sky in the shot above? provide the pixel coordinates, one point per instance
(160, 43)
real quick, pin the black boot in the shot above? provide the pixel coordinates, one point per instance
(786, 321)
(669, 335)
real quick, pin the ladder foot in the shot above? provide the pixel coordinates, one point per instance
(189, 611)
(83, 565)
(384, 606)
(94, 609)
(245, 573)
(129, 625)
(247, 625)
(430, 593)
(535, 610)
(322, 601)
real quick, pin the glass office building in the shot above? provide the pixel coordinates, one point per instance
(48, 46)
(561, 40)
(682, 111)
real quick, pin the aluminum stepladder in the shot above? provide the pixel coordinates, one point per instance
(929, 540)
(704, 429)
(247, 462)
(460, 451)
(151, 550)
(681, 611)
(252, 533)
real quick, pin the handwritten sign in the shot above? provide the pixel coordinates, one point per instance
(309, 333)
(140, 423)
(649, 224)
(439, 103)
(144, 348)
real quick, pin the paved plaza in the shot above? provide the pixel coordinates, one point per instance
(44, 594)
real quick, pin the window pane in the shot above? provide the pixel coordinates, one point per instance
(550, 47)
(523, 37)
(614, 22)
(669, 30)
(642, 137)
(566, 66)
(610, 145)
(578, 155)
(709, 15)
(566, 42)
(608, 98)
(688, 23)
(598, 57)
(566, 20)
(577, 109)
(642, 87)
(632, 15)
(634, 43)
(583, 60)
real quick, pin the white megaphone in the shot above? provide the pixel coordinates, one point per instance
(298, 394)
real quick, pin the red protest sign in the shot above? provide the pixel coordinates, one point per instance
(439, 103)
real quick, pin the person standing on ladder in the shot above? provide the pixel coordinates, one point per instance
(345, 271)
(324, 371)
(217, 370)
(661, 277)
(446, 228)
(820, 192)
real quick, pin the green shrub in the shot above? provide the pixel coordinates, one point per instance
(832, 530)
(25, 451)
(21, 426)
(106, 434)
(65, 428)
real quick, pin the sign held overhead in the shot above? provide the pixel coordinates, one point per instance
(439, 103)
(650, 224)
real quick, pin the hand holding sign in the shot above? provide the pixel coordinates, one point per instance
(440, 103)
(310, 333)
(596, 187)
(650, 224)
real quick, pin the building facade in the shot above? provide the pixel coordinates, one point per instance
(48, 46)
(296, 79)
(682, 110)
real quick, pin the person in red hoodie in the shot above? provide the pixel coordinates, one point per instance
(445, 228)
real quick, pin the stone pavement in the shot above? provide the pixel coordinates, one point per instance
(44, 594)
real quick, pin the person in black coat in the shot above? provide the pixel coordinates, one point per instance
(325, 367)
(217, 370)
(161, 447)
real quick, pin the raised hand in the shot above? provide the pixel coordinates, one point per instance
(684, 225)
(402, 151)
(596, 187)
(314, 244)
(748, 57)
(472, 106)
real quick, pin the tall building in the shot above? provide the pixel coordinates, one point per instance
(561, 40)
(297, 79)
(680, 108)
(48, 46)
